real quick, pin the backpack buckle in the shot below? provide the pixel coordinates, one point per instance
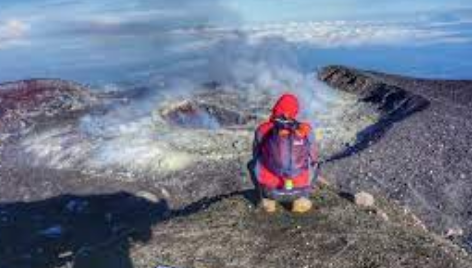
(288, 184)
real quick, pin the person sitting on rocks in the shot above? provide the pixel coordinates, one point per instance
(284, 156)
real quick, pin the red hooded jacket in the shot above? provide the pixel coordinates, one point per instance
(287, 106)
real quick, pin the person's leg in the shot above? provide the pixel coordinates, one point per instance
(267, 181)
(303, 203)
(256, 198)
(269, 205)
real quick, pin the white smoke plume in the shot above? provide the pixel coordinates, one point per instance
(132, 137)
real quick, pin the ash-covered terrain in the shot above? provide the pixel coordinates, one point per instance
(424, 161)
(137, 178)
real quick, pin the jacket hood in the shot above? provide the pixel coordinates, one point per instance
(287, 106)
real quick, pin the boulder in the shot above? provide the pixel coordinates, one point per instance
(364, 199)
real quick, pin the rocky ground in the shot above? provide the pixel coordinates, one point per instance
(230, 233)
(423, 158)
(171, 187)
(124, 230)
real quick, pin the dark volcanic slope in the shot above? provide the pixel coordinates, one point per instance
(426, 160)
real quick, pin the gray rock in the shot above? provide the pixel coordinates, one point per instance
(364, 199)
(454, 232)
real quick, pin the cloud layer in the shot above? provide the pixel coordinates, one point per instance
(116, 38)
(13, 33)
(215, 20)
(341, 33)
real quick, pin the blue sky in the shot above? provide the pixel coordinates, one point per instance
(341, 9)
(110, 40)
(252, 10)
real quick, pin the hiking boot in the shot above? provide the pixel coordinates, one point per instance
(301, 205)
(269, 205)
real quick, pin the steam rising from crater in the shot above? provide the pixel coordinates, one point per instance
(179, 117)
(228, 80)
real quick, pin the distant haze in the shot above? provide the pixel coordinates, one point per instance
(129, 41)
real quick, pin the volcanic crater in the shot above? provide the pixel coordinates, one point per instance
(59, 137)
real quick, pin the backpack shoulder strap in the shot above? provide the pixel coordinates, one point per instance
(303, 130)
(306, 131)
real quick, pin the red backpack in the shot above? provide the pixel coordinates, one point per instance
(284, 151)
